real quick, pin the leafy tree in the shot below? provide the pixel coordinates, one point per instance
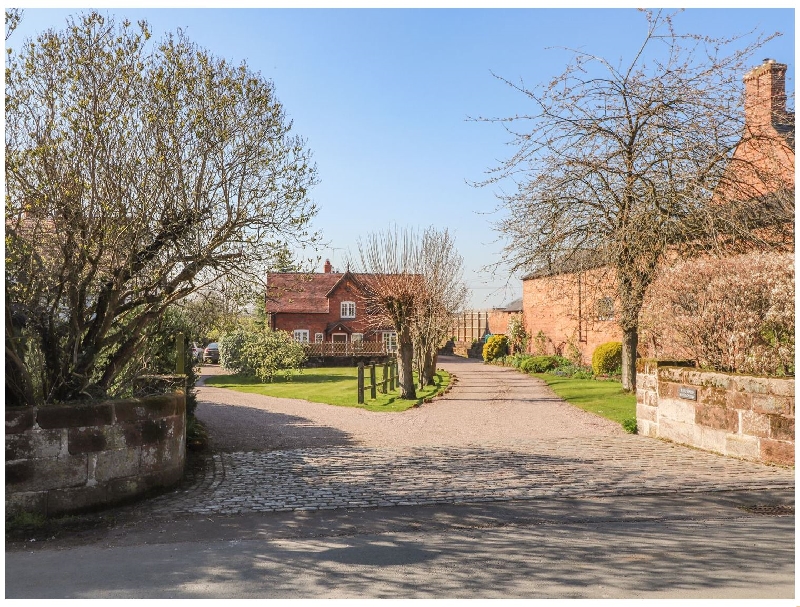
(136, 175)
(617, 164)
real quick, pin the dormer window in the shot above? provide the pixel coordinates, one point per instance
(348, 309)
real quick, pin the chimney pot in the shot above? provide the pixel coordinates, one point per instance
(328, 268)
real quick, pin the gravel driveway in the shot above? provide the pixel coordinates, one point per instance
(488, 405)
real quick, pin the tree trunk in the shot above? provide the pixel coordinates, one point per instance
(630, 342)
(405, 367)
(429, 373)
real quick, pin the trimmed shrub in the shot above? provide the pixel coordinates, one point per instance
(260, 353)
(630, 426)
(607, 357)
(495, 347)
(542, 364)
(734, 314)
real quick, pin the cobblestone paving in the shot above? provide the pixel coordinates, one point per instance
(351, 477)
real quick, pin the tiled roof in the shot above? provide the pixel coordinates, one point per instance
(303, 292)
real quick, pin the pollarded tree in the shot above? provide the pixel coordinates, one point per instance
(136, 174)
(443, 294)
(617, 165)
(393, 289)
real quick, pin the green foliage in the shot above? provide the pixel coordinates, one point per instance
(495, 347)
(118, 205)
(541, 364)
(630, 425)
(160, 352)
(540, 343)
(517, 335)
(332, 386)
(607, 357)
(605, 398)
(260, 352)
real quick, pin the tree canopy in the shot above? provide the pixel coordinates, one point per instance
(136, 174)
(616, 164)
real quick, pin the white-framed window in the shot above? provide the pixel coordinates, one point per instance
(348, 309)
(301, 335)
(390, 339)
(357, 338)
(319, 338)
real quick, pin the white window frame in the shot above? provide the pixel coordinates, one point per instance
(347, 309)
(319, 338)
(357, 338)
(390, 339)
(300, 335)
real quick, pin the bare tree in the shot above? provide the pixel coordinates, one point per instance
(392, 290)
(617, 165)
(415, 285)
(441, 298)
(135, 175)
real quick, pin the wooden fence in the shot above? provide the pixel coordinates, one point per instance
(388, 381)
(358, 348)
(471, 325)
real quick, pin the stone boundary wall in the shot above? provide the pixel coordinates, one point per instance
(68, 458)
(466, 349)
(736, 415)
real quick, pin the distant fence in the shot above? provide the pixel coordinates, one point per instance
(471, 325)
(362, 348)
(388, 380)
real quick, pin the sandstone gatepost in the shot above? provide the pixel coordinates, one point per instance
(736, 415)
(68, 458)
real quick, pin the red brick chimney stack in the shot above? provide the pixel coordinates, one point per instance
(328, 266)
(764, 94)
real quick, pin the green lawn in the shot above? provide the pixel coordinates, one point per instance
(605, 398)
(329, 385)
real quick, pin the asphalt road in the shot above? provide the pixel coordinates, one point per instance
(718, 545)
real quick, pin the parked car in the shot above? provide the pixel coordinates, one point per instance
(197, 351)
(211, 353)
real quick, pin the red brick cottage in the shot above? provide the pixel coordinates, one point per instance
(326, 308)
(571, 312)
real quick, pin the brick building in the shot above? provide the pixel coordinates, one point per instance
(326, 307)
(572, 310)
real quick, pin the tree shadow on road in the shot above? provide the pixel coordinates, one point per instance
(258, 430)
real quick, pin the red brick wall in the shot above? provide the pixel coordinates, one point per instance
(498, 321)
(551, 305)
(317, 322)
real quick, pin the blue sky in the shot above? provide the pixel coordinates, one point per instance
(383, 99)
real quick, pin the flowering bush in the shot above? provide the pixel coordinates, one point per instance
(734, 314)
(495, 347)
(260, 353)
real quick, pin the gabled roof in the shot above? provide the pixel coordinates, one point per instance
(514, 306)
(356, 280)
(306, 293)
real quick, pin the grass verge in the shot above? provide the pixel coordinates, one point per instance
(330, 385)
(604, 398)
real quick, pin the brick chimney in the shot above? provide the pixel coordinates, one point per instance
(765, 94)
(328, 266)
